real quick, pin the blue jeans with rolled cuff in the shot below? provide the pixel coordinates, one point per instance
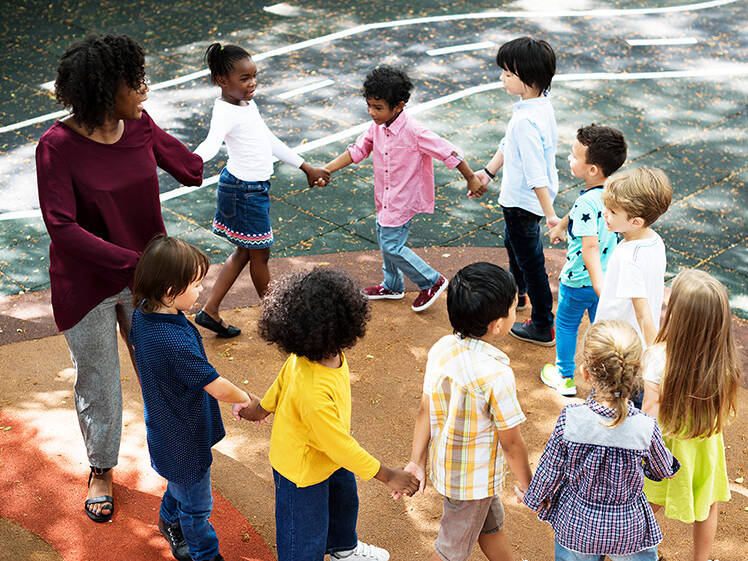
(398, 259)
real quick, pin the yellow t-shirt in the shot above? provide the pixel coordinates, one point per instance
(311, 436)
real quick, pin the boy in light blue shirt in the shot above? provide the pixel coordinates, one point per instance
(596, 153)
(530, 181)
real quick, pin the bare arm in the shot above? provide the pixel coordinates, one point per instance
(547, 205)
(651, 403)
(644, 319)
(223, 390)
(515, 452)
(591, 258)
(254, 411)
(474, 184)
(339, 163)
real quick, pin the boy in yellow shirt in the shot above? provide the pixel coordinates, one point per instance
(314, 316)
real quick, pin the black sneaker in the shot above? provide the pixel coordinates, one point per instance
(175, 538)
(522, 302)
(218, 557)
(526, 331)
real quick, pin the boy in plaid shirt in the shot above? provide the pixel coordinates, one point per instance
(469, 416)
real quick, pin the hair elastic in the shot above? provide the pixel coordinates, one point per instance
(617, 394)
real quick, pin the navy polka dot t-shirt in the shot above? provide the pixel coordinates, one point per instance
(182, 420)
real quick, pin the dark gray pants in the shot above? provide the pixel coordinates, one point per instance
(98, 392)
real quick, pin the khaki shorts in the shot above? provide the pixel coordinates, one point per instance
(462, 523)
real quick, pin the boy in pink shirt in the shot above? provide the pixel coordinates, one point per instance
(402, 152)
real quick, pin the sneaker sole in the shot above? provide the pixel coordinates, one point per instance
(550, 343)
(433, 298)
(396, 296)
(567, 393)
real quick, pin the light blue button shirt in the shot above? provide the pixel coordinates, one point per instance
(529, 149)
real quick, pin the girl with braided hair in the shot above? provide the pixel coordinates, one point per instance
(691, 377)
(589, 480)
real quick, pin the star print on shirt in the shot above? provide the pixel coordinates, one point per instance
(570, 274)
(599, 214)
(586, 217)
(605, 250)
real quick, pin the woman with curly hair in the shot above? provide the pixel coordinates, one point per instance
(314, 316)
(99, 197)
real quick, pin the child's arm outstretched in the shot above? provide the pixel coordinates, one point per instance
(421, 437)
(492, 168)
(253, 411)
(223, 390)
(515, 452)
(281, 151)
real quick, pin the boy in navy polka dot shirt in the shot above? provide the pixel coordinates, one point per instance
(181, 391)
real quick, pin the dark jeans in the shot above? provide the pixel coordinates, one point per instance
(311, 521)
(527, 262)
(190, 505)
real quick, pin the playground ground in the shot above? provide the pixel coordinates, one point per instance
(680, 104)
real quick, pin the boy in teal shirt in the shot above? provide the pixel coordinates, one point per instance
(596, 154)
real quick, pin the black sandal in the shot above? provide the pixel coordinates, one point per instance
(226, 332)
(101, 517)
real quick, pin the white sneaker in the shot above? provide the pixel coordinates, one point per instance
(363, 552)
(551, 377)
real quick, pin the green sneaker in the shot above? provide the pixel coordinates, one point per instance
(552, 378)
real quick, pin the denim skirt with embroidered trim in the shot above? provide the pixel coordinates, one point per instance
(243, 212)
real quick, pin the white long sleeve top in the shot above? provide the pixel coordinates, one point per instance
(250, 143)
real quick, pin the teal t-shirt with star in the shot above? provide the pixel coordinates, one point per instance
(586, 219)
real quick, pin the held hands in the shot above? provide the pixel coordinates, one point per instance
(483, 176)
(398, 480)
(239, 406)
(475, 186)
(557, 234)
(315, 176)
(251, 411)
(552, 221)
(419, 472)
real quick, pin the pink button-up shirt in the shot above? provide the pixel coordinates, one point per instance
(403, 169)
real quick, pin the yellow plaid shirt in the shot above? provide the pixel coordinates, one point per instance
(472, 396)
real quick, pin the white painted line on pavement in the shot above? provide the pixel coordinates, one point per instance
(306, 89)
(461, 48)
(663, 41)
(613, 12)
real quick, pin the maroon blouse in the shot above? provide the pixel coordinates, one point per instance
(100, 203)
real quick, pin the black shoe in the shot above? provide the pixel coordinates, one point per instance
(526, 331)
(204, 320)
(218, 557)
(522, 302)
(175, 538)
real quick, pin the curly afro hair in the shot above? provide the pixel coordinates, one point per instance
(314, 314)
(387, 83)
(90, 73)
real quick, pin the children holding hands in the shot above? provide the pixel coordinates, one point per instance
(314, 316)
(181, 391)
(597, 153)
(469, 417)
(529, 182)
(243, 213)
(402, 150)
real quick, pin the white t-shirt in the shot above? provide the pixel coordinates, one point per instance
(635, 270)
(250, 143)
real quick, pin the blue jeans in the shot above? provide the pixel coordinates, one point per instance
(527, 262)
(572, 303)
(563, 554)
(311, 521)
(190, 505)
(398, 259)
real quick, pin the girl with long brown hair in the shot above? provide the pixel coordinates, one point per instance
(691, 378)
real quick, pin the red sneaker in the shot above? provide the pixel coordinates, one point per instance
(379, 292)
(428, 296)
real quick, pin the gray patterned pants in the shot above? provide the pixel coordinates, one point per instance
(98, 392)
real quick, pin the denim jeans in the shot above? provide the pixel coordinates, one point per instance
(563, 554)
(398, 259)
(190, 505)
(572, 303)
(311, 521)
(527, 262)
